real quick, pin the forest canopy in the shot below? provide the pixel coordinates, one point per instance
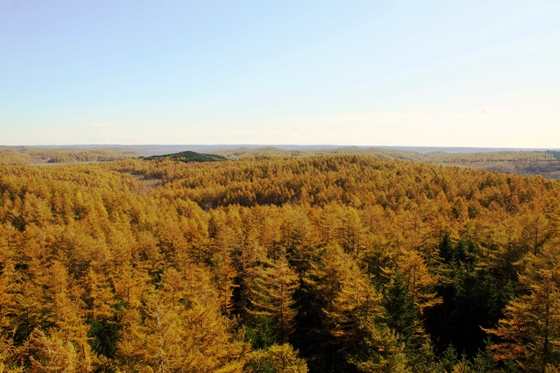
(332, 263)
(19, 156)
(519, 162)
(189, 156)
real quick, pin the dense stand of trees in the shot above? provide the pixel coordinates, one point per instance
(19, 156)
(319, 264)
(555, 154)
(427, 157)
(189, 156)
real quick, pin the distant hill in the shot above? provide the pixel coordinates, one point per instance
(22, 155)
(349, 150)
(555, 153)
(526, 162)
(189, 156)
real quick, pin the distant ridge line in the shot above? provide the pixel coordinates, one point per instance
(155, 149)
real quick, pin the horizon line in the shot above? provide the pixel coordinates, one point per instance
(286, 144)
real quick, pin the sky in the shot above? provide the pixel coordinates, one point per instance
(410, 73)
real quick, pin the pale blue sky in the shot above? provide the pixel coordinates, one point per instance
(433, 73)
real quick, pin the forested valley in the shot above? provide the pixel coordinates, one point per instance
(334, 263)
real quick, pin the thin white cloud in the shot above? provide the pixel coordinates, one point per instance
(412, 118)
(230, 134)
(398, 116)
(355, 118)
(486, 109)
(294, 127)
(101, 125)
(469, 117)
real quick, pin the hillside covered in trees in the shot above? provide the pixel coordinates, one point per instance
(21, 155)
(331, 263)
(519, 162)
(188, 156)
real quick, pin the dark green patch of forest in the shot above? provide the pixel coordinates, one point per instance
(188, 156)
(555, 153)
